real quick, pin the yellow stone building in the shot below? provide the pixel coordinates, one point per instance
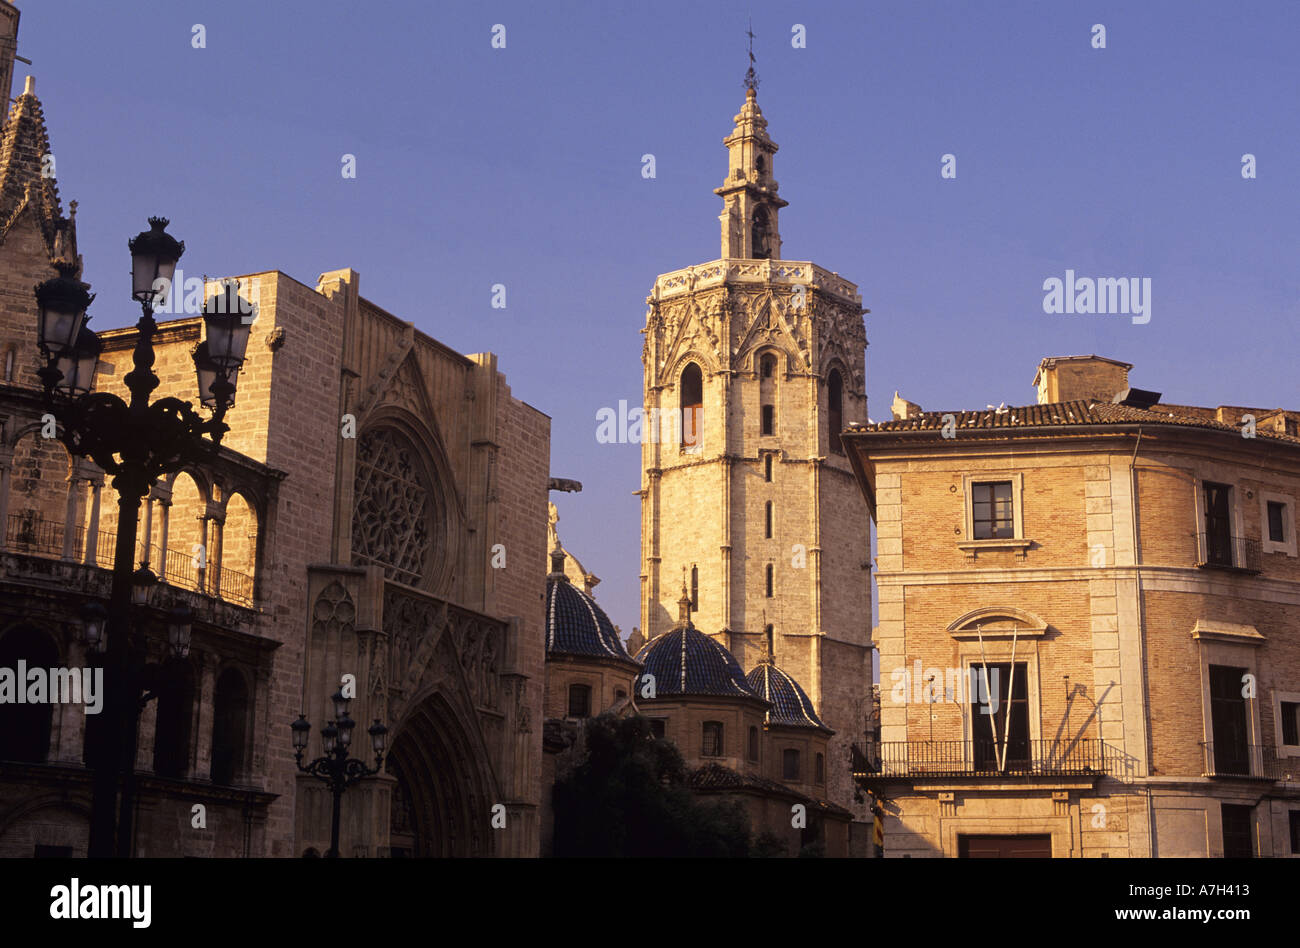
(1126, 574)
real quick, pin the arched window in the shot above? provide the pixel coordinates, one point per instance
(819, 769)
(767, 468)
(695, 589)
(835, 409)
(760, 164)
(758, 236)
(767, 392)
(712, 744)
(692, 405)
(171, 741)
(771, 580)
(789, 764)
(9, 364)
(753, 743)
(768, 633)
(25, 728)
(579, 701)
(767, 522)
(398, 514)
(229, 727)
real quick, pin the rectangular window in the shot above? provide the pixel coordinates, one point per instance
(771, 581)
(712, 744)
(789, 765)
(1001, 739)
(657, 727)
(1290, 722)
(753, 743)
(1218, 532)
(579, 701)
(1228, 720)
(1238, 831)
(1276, 521)
(769, 419)
(767, 468)
(993, 516)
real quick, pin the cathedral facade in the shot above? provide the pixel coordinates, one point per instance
(753, 366)
(374, 519)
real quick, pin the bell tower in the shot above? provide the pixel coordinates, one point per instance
(753, 366)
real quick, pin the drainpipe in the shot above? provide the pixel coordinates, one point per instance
(1142, 647)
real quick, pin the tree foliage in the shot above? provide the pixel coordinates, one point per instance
(629, 798)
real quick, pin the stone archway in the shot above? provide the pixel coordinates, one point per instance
(442, 800)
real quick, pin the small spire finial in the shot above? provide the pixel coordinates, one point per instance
(684, 604)
(751, 77)
(29, 87)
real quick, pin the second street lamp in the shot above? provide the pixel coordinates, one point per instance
(335, 768)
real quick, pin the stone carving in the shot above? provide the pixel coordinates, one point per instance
(334, 612)
(391, 521)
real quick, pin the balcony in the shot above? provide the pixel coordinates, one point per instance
(1224, 551)
(924, 759)
(1248, 762)
(45, 538)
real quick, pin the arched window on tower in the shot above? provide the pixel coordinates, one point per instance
(10, 355)
(835, 409)
(767, 392)
(771, 577)
(758, 237)
(767, 520)
(691, 392)
(767, 468)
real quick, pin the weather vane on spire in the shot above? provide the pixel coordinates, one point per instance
(751, 77)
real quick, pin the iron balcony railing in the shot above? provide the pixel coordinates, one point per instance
(35, 536)
(980, 758)
(1224, 551)
(1254, 761)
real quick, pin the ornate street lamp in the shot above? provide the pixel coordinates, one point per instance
(135, 441)
(335, 768)
(93, 619)
(179, 623)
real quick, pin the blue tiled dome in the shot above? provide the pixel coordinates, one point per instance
(575, 625)
(790, 704)
(685, 661)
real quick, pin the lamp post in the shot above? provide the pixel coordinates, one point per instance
(135, 441)
(335, 768)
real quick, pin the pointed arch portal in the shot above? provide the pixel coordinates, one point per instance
(441, 804)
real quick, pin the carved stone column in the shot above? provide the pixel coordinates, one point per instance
(201, 762)
(70, 516)
(90, 555)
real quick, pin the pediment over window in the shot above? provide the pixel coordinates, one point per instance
(1227, 632)
(998, 622)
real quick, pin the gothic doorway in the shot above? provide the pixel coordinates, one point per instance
(441, 801)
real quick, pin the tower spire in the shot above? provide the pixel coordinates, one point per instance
(751, 77)
(749, 195)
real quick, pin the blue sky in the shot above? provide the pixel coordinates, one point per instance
(522, 166)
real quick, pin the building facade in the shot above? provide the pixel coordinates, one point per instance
(753, 365)
(374, 518)
(1087, 614)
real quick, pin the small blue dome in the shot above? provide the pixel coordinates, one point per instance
(790, 704)
(685, 661)
(575, 625)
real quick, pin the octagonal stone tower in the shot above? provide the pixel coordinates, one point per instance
(753, 366)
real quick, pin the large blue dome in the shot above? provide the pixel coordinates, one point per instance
(790, 704)
(575, 625)
(685, 661)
